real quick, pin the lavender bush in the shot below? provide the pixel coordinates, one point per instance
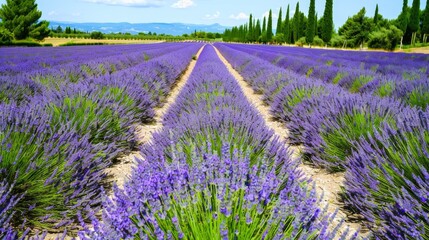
(331, 131)
(52, 175)
(387, 180)
(217, 198)
(17, 89)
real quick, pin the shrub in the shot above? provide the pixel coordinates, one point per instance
(385, 38)
(55, 174)
(301, 42)
(331, 131)
(385, 89)
(94, 115)
(97, 35)
(7, 204)
(318, 41)
(337, 41)
(387, 179)
(292, 95)
(17, 89)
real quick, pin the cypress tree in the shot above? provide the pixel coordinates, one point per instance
(315, 25)
(286, 26)
(264, 25)
(296, 23)
(414, 22)
(376, 15)
(402, 20)
(255, 31)
(328, 22)
(270, 27)
(279, 23)
(258, 31)
(414, 16)
(250, 31)
(21, 19)
(425, 24)
(310, 23)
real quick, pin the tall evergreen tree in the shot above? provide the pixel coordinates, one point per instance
(414, 17)
(425, 23)
(279, 28)
(286, 26)
(21, 17)
(251, 30)
(316, 21)
(402, 20)
(270, 27)
(258, 30)
(264, 25)
(328, 22)
(255, 31)
(296, 24)
(310, 23)
(376, 15)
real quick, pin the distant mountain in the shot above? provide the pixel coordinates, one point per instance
(134, 28)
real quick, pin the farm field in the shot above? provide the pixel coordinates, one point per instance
(59, 41)
(213, 141)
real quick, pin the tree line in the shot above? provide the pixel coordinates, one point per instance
(412, 25)
(20, 21)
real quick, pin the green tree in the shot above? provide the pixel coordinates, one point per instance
(425, 22)
(376, 15)
(270, 27)
(402, 20)
(279, 28)
(21, 17)
(258, 30)
(296, 23)
(6, 37)
(264, 25)
(286, 26)
(357, 28)
(40, 30)
(97, 35)
(250, 33)
(59, 29)
(327, 25)
(311, 22)
(414, 22)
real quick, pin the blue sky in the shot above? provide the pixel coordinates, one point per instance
(225, 12)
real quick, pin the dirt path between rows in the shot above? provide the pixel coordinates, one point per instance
(121, 171)
(327, 185)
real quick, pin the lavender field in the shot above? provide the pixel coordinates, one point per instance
(75, 120)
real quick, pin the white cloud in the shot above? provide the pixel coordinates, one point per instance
(183, 4)
(53, 13)
(213, 16)
(239, 16)
(129, 3)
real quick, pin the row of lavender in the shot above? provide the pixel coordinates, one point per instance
(56, 143)
(20, 86)
(18, 60)
(213, 172)
(400, 76)
(381, 144)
